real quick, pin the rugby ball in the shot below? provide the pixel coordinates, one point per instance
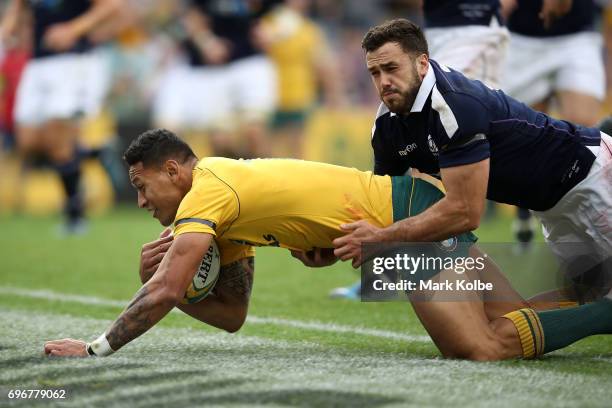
(205, 277)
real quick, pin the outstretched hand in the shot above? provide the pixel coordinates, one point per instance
(66, 348)
(349, 245)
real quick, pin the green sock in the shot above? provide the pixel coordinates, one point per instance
(565, 326)
(543, 332)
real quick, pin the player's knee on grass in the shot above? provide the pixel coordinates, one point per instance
(498, 340)
(482, 347)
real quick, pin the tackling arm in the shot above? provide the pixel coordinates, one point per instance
(458, 212)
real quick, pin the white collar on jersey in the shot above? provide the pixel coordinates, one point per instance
(428, 83)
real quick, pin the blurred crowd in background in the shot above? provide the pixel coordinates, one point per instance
(296, 87)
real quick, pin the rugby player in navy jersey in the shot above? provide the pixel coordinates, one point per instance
(482, 144)
(545, 32)
(468, 36)
(59, 86)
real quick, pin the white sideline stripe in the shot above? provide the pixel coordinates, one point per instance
(335, 328)
(298, 324)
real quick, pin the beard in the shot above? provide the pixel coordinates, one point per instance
(401, 101)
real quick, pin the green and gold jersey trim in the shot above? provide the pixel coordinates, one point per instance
(412, 196)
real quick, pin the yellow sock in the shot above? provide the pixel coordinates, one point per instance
(530, 331)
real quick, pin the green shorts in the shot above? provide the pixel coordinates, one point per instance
(412, 196)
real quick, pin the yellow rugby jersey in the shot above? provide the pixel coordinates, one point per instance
(298, 43)
(279, 202)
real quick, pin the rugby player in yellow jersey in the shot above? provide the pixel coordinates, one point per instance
(288, 203)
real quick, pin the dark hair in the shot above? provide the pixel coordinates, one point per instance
(404, 32)
(155, 146)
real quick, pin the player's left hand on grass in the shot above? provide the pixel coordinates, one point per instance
(66, 348)
(349, 246)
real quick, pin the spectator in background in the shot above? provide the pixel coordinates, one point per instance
(15, 55)
(226, 85)
(58, 86)
(303, 60)
(540, 73)
(138, 57)
(467, 36)
(545, 37)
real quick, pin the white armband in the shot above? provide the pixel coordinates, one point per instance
(100, 347)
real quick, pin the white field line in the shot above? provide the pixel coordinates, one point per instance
(297, 324)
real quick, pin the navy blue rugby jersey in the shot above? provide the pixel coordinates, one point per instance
(449, 13)
(534, 159)
(525, 20)
(232, 20)
(49, 12)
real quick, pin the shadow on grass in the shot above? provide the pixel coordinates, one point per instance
(577, 363)
(133, 379)
(46, 371)
(172, 390)
(290, 397)
(21, 361)
(307, 398)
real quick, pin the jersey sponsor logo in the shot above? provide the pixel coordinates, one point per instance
(571, 172)
(432, 145)
(409, 149)
(272, 241)
(269, 238)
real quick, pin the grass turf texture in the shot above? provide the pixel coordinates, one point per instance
(300, 348)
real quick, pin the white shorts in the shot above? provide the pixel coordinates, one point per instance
(477, 51)
(209, 96)
(581, 222)
(64, 86)
(537, 67)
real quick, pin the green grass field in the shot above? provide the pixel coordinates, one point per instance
(298, 348)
